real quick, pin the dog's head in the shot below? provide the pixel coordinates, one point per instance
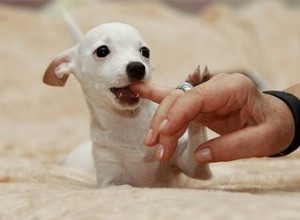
(107, 60)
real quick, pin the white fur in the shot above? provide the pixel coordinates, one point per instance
(118, 130)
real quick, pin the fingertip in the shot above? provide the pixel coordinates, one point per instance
(160, 152)
(151, 138)
(204, 155)
(136, 87)
(166, 149)
(163, 125)
(150, 91)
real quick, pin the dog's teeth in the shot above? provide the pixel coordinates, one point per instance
(124, 92)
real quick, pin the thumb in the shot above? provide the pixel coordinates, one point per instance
(244, 143)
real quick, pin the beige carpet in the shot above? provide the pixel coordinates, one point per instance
(41, 124)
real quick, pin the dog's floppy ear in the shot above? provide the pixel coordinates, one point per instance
(59, 69)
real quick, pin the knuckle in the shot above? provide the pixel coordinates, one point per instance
(175, 93)
(171, 97)
(242, 79)
(199, 90)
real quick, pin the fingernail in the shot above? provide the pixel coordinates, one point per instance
(162, 125)
(149, 137)
(160, 152)
(204, 155)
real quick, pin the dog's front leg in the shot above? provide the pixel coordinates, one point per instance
(109, 170)
(185, 154)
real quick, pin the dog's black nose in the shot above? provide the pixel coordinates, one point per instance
(136, 71)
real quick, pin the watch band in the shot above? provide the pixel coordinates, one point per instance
(294, 105)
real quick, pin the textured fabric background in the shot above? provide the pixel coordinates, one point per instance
(39, 125)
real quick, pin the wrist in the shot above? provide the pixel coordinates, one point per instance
(289, 127)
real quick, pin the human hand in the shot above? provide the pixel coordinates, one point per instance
(250, 123)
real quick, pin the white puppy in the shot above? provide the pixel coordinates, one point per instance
(107, 60)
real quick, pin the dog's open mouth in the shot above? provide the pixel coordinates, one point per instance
(125, 96)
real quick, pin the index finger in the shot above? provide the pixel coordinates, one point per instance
(150, 91)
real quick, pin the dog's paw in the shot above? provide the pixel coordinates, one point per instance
(197, 77)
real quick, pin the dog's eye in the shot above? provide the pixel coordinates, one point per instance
(145, 52)
(102, 51)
